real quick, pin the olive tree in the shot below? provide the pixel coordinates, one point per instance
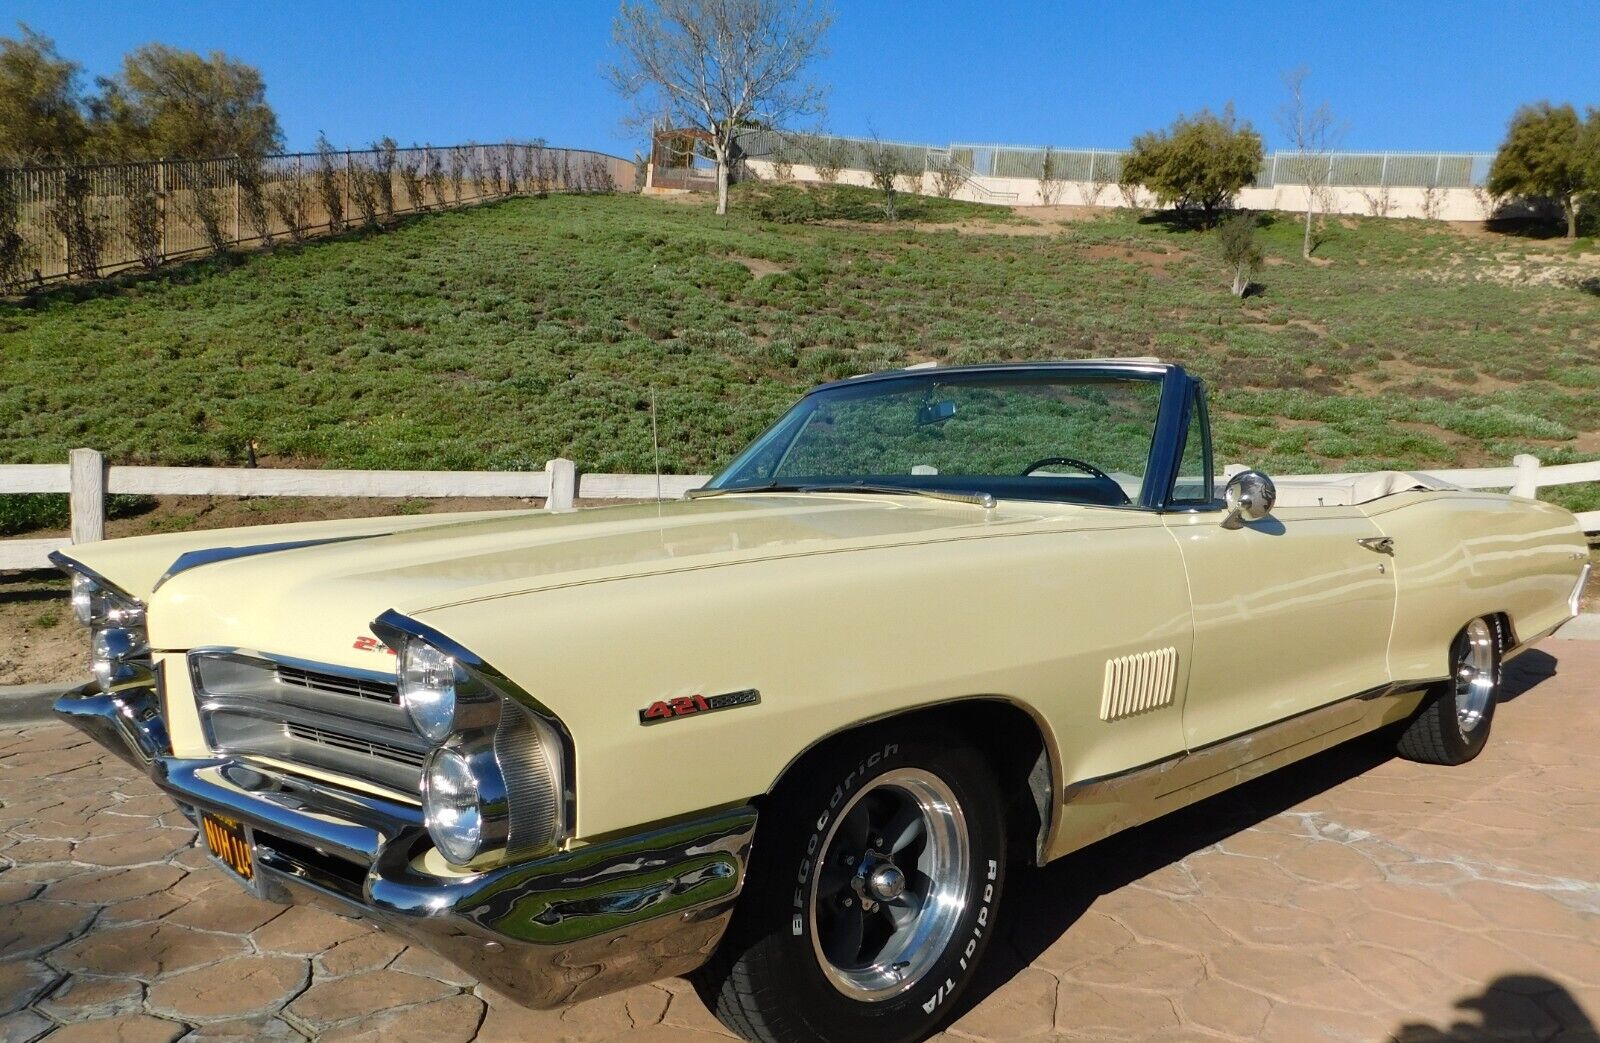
(1198, 164)
(41, 111)
(720, 66)
(1549, 153)
(171, 102)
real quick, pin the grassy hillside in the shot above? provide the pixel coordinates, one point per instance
(500, 337)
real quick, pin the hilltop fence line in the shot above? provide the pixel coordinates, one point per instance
(93, 220)
(1338, 169)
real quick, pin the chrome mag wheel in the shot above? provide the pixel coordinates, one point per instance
(1474, 674)
(890, 888)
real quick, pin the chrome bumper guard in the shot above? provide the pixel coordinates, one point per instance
(547, 932)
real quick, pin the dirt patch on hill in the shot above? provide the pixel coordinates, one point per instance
(1153, 261)
(758, 267)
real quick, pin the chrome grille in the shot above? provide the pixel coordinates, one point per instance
(339, 684)
(347, 722)
(310, 733)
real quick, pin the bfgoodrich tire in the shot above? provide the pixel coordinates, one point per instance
(1454, 723)
(873, 890)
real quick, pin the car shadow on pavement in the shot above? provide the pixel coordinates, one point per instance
(1043, 904)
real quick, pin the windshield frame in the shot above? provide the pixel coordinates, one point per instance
(1173, 416)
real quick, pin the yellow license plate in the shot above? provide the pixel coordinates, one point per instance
(230, 844)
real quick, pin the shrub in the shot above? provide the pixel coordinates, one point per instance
(411, 175)
(253, 198)
(1236, 241)
(384, 154)
(329, 185)
(13, 247)
(291, 201)
(80, 224)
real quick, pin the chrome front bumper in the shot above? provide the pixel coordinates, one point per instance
(547, 932)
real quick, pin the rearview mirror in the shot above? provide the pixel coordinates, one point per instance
(1250, 496)
(935, 412)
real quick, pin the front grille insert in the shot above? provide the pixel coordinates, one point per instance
(339, 684)
(347, 722)
(309, 733)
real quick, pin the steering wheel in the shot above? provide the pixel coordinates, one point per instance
(1085, 467)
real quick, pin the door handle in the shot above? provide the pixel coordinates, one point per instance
(1380, 544)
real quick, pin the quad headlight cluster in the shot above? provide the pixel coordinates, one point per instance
(495, 784)
(119, 648)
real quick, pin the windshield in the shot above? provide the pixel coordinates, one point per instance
(1067, 436)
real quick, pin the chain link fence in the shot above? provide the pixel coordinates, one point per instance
(90, 221)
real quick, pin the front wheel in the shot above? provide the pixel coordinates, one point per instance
(1454, 723)
(872, 894)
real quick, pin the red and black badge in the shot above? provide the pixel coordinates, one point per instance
(690, 705)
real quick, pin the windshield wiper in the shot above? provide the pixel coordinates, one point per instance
(985, 500)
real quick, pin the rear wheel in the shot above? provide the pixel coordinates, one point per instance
(1454, 724)
(872, 893)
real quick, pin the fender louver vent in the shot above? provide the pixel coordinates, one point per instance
(1139, 683)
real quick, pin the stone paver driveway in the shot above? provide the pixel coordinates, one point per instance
(1353, 897)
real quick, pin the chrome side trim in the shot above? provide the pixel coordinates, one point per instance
(1108, 804)
(193, 559)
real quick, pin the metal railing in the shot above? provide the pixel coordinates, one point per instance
(1343, 169)
(95, 220)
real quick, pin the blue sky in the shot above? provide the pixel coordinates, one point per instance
(1412, 74)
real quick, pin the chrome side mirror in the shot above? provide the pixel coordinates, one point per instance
(1249, 496)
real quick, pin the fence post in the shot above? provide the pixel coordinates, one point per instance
(1527, 483)
(236, 228)
(563, 484)
(347, 184)
(87, 495)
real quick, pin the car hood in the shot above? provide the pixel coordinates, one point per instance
(311, 590)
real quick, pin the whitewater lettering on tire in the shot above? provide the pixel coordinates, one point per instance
(840, 792)
(978, 927)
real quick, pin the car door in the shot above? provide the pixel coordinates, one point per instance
(1291, 613)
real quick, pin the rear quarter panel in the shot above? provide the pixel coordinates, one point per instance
(1459, 555)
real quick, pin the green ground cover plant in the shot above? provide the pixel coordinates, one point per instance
(500, 337)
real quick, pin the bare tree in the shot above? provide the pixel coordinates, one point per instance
(889, 167)
(828, 156)
(1314, 133)
(720, 66)
(1052, 178)
(1102, 175)
(948, 177)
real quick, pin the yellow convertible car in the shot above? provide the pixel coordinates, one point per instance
(788, 735)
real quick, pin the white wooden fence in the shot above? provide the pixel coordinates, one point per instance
(88, 481)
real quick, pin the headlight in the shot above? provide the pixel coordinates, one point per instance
(498, 784)
(93, 604)
(427, 681)
(85, 593)
(118, 658)
(451, 806)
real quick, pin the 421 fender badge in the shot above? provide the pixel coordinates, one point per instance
(690, 705)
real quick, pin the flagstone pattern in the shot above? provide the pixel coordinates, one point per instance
(1353, 897)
